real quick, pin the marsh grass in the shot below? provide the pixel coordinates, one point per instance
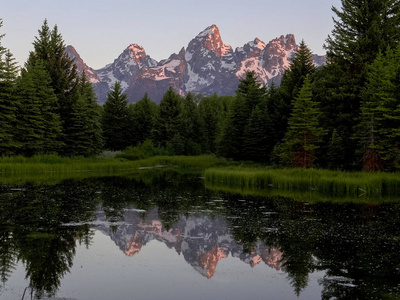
(52, 168)
(324, 182)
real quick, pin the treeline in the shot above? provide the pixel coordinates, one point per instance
(47, 108)
(345, 115)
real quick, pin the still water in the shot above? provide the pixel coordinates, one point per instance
(163, 235)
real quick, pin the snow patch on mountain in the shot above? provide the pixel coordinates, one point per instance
(206, 66)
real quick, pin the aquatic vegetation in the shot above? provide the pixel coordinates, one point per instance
(326, 182)
(53, 168)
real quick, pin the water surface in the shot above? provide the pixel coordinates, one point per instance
(164, 235)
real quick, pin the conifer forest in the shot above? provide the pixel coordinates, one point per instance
(344, 115)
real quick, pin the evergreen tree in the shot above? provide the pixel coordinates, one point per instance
(8, 102)
(231, 140)
(8, 75)
(49, 48)
(85, 136)
(235, 133)
(251, 90)
(335, 152)
(362, 29)
(38, 127)
(143, 114)
(300, 141)
(168, 122)
(338, 97)
(190, 126)
(212, 113)
(259, 135)
(115, 120)
(301, 65)
(379, 130)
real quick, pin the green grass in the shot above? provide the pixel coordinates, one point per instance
(324, 182)
(51, 168)
(219, 174)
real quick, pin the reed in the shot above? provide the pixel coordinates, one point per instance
(53, 168)
(324, 182)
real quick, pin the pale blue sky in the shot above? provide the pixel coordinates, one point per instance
(100, 30)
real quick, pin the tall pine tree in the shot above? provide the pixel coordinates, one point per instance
(38, 129)
(85, 136)
(379, 130)
(236, 139)
(143, 114)
(362, 29)
(168, 122)
(115, 120)
(8, 100)
(304, 132)
(49, 47)
(301, 65)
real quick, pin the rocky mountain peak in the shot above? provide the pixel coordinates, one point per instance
(134, 54)
(209, 38)
(206, 66)
(81, 66)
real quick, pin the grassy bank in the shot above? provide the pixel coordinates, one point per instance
(219, 174)
(324, 182)
(49, 168)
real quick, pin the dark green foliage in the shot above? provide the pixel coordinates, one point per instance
(190, 123)
(84, 137)
(143, 115)
(252, 91)
(247, 133)
(49, 48)
(8, 101)
(168, 122)
(303, 133)
(335, 152)
(115, 120)
(142, 151)
(212, 113)
(38, 129)
(259, 135)
(379, 130)
(176, 146)
(361, 30)
(230, 142)
(301, 65)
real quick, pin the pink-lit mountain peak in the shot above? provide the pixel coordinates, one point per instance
(135, 52)
(210, 38)
(208, 32)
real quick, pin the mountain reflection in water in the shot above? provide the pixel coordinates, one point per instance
(353, 247)
(203, 241)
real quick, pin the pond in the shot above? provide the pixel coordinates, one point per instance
(163, 235)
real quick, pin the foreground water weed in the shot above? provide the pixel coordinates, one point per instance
(333, 183)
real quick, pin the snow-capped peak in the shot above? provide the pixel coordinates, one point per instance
(211, 30)
(136, 49)
(209, 38)
(257, 43)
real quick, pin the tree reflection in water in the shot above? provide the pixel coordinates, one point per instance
(356, 245)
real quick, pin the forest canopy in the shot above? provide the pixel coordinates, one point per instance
(343, 115)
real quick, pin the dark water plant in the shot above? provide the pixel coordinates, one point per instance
(323, 182)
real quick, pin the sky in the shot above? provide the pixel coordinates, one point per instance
(101, 29)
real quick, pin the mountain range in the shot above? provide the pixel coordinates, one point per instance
(207, 66)
(203, 241)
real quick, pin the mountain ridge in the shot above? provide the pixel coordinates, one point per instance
(206, 66)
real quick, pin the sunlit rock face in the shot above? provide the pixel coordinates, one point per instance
(207, 66)
(208, 261)
(202, 241)
(90, 74)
